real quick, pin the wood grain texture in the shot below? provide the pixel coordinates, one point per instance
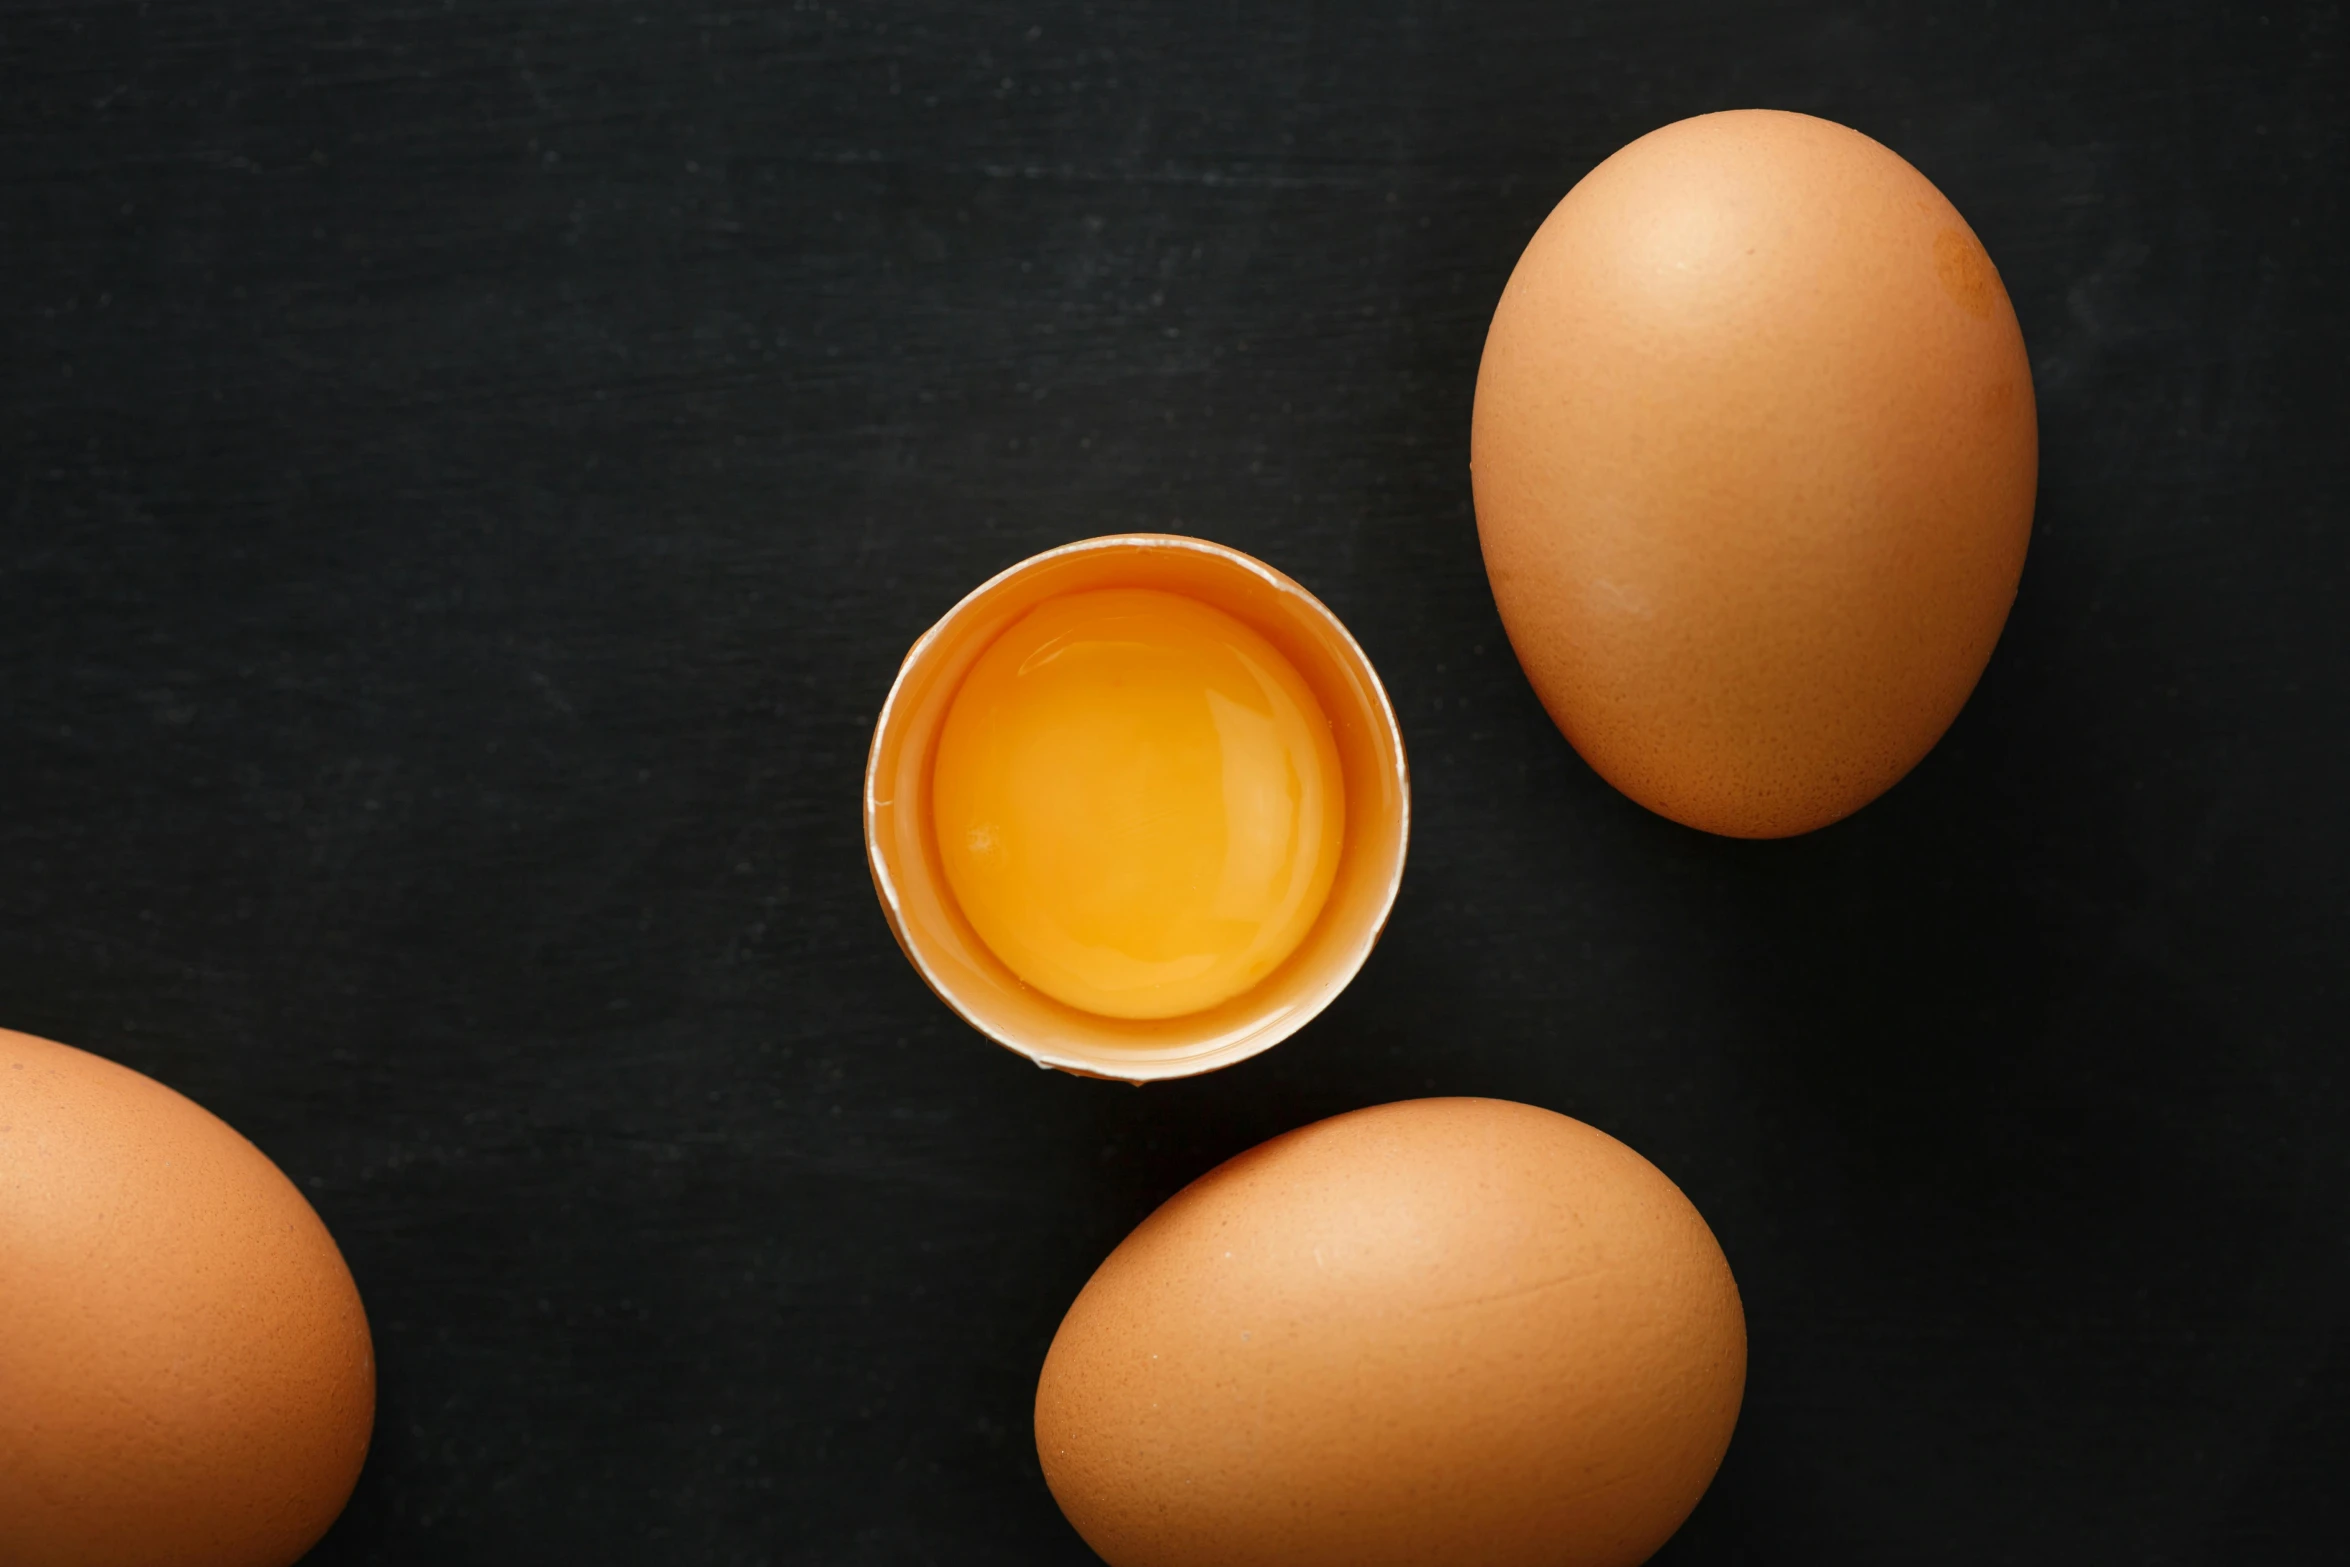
(471, 470)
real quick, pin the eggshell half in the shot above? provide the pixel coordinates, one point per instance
(185, 1370)
(1447, 1330)
(1754, 455)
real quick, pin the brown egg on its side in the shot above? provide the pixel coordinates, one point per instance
(1442, 1330)
(185, 1370)
(1754, 454)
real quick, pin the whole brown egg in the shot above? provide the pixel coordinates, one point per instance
(1447, 1330)
(1754, 454)
(185, 1371)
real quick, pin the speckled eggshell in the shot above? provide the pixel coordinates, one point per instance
(1754, 456)
(1442, 1331)
(186, 1378)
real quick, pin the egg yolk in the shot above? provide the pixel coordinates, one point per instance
(1138, 803)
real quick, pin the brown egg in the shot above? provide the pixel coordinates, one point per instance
(1448, 1330)
(185, 1371)
(1754, 455)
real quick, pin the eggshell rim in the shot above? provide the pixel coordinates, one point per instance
(1261, 1032)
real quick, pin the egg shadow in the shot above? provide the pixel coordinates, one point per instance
(2012, 1236)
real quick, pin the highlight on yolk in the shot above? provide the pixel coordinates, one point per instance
(1138, 803)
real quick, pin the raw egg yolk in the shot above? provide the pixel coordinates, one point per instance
(1138, 803)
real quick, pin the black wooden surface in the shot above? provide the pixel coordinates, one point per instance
(470, 470)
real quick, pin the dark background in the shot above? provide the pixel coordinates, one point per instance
(470, 470)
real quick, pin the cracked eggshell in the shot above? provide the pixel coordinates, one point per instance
(186, 1375)
(1754, 455)
(1385, 1338)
